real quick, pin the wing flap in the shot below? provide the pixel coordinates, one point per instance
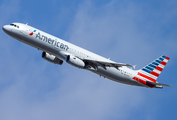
(106, 64)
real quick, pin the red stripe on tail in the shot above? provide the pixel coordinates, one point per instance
(167, 58)
(147, 77)
(163, 63)
(159, 68)
(142, 81)
(154, 73)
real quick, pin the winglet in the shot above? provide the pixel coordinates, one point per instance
(134, 66)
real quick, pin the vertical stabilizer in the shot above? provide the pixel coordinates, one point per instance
(149, 74)
(152, 71)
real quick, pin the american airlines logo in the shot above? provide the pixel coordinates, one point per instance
(50, 41)
(32, 32)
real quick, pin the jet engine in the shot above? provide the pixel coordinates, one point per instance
(51, 58)
(75, 61)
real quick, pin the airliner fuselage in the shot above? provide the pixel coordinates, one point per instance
(57, 50)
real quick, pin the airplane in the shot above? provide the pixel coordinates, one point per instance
(56, 50)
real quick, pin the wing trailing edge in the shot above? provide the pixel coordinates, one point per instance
(106, 64)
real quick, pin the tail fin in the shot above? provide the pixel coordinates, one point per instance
(152, 71)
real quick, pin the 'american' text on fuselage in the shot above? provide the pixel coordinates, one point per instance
(52, 42)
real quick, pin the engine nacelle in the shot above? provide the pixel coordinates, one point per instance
(51, 58)
(75, 61)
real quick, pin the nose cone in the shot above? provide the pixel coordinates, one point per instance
(5, 28)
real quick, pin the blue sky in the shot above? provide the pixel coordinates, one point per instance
(134, 32)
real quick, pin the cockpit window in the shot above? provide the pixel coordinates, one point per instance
(14, 25)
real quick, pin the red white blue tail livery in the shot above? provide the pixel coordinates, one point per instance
(149, 74)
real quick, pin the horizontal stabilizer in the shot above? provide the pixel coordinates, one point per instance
(153, 83)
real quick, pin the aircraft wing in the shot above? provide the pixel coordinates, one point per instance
(95, 63)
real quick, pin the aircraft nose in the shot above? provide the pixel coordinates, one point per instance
(5, 28)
